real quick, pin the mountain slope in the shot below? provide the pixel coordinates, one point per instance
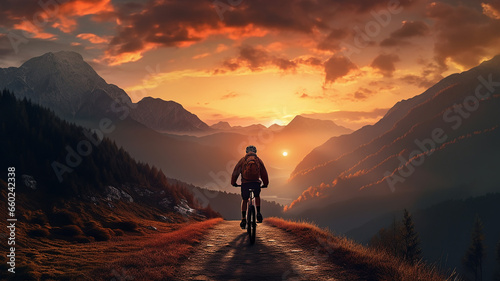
(432, 154)
(161, 116)
(348, 150)
(89, 171)
(339, 145)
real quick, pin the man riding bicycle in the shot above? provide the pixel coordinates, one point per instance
(252, 170)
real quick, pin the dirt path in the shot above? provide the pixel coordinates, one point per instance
(225, 254)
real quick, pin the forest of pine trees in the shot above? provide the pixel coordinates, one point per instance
(32, 138)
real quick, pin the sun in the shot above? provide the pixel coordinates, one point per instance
(285, 153)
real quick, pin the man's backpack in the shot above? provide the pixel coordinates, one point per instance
(251, 168)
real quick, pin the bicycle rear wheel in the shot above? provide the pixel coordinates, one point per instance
(252, 224)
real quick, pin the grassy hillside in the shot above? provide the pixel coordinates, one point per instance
(445, 230)
(369, 263)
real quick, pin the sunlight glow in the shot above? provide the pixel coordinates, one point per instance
(285, 153)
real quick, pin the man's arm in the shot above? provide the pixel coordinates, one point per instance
(236, 172)
(263, 174)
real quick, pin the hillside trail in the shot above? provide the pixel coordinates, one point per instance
(225, 254)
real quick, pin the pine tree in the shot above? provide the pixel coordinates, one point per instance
(473, 259)
(412, 252)
(497, 274)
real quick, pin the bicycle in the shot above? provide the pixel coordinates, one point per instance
(251, 216)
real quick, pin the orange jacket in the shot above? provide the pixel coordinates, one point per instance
(239, 167)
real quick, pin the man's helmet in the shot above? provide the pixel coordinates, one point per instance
(251, 148)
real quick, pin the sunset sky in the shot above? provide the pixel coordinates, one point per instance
(249, 61)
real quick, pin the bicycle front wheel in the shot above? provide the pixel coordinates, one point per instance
(252, 224)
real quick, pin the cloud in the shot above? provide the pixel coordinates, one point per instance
(430, 75)
(408, 30)
(337, 67)
(385, 64)
(302, 94)
(92, 38)
(465, 34)
(183, 23)
(256, 58)
(362, 94)
(200, 56)
(230, 95)
(492, 10)
(36, 16)
(332, 40)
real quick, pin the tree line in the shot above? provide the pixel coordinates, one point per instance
(401, 240)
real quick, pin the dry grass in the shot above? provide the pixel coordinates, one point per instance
(158, 257)
(142, 255)
(369, 264)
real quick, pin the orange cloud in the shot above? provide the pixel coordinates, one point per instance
(34, 31)
(490, 11)
(92, 38)
(68, 11)
(113, 58)
(201, 56)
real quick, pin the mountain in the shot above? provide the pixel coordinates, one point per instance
(66, 84)
(69, 86)
(444, 147)
(304, 125)
(162, 116)
(221, 126)
(336, 146)
(275, 127)
(63, 82)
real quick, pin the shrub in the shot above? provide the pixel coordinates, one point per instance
(99, 233)
(63, 217)
(125, 225)
(68, 231)
(39, 218)
(83, 239)
(38, 232)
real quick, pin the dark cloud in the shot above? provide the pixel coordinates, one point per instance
(385, 64)
(256, 57)
(362, 94)
(13, 11)
(408, 30)
(411, 29)
(332, 41)
(465, 34)
(430, 75)
(176, 23)
(337, 67)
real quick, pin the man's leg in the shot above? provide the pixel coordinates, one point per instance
(257, 203)
(244, 208)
